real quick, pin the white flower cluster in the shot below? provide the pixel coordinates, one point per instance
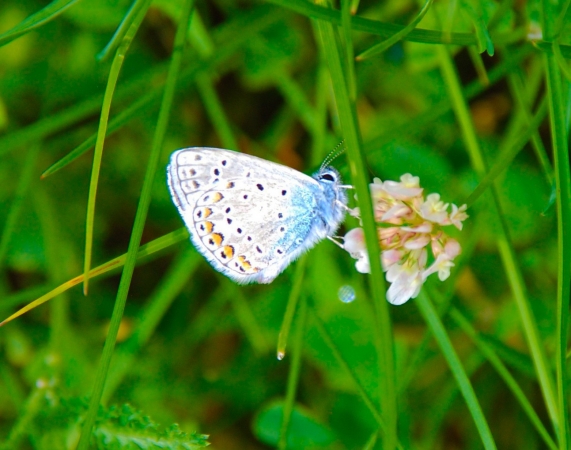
(408, 223)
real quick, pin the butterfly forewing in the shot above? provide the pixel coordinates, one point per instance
(248, 216)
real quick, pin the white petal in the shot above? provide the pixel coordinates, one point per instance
(395, 211)
(354, 241)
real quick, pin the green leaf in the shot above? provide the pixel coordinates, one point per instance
(117, 427)
(304, 431)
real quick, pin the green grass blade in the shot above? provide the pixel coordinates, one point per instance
(547, 47)
(132, 15)
(144, 252)
(507, 253)
(114, 124)
(507, 156)
(138, 226)
(101, 133)
(326, 336)
(423, 120)
(306, 113)
(242, 30)
(503, 372)
(479, 65)
(75, 114)
(32, 408)
(24, 181)
(485, 42)
(431, 317)
(293, 299)
(158, 304)
(351, 132)
(386, 30)
(247, 320)
(293, 375)
(516, 83)
(348, 46)
(45, 15)
(382, 46)
(559, 138)
(216, 112)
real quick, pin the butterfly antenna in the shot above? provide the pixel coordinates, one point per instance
(333, 154)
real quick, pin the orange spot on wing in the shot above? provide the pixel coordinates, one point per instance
(217, 238)
(245, 264)
(228, 251)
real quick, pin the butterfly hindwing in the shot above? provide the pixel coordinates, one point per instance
(249, 217)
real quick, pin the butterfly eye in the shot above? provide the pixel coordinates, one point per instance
(328, 177)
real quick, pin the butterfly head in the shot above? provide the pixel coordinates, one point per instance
(336, 198)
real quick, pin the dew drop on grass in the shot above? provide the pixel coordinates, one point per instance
(346, 294)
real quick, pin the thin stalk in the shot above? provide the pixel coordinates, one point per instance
(294, 296)
(348, 121)
(559, 138)
(138, 226)
(293, 376)
(159, 302)
(431, 317)
(504, 373)
(24, 181)
(101, 132)
(326, 336)
(506, 251)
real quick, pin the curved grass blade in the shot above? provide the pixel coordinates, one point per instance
(482, 34)
(36, 20)
(433, 321)
(115, 263)
(138, 226)
(382, 46)
(123, 28)
(236, 35)
(386, 30)
(101, 133)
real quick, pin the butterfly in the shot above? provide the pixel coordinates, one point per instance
(249, 217)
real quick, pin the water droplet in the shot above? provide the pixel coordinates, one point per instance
(281, 355)
(346, 294)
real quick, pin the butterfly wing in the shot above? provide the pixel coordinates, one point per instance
(249, 217)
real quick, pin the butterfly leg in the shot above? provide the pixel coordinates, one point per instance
(335, 241)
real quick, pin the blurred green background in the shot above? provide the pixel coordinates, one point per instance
(194, 348)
